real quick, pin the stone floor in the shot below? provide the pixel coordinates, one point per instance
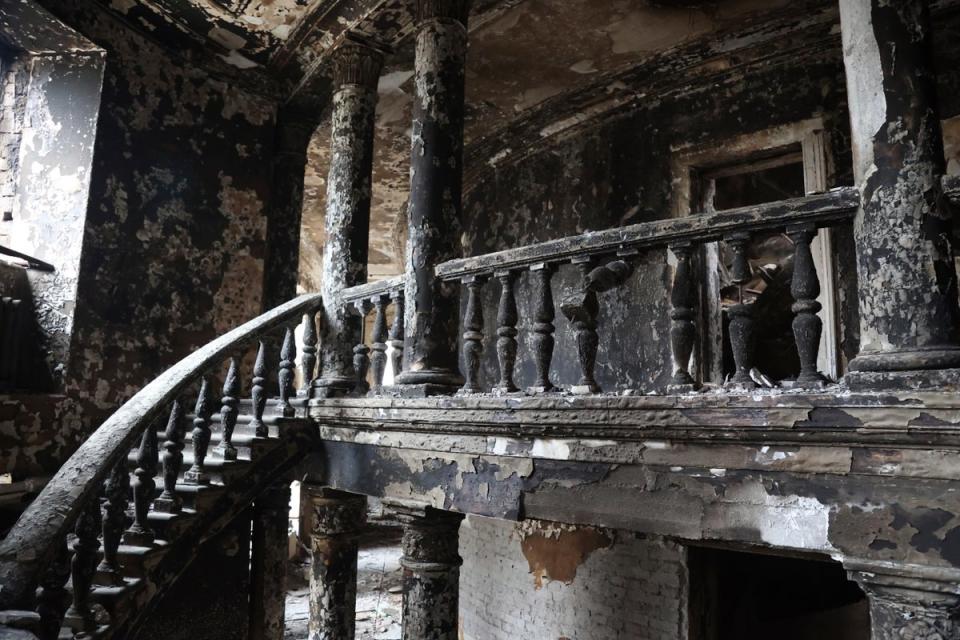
(379, 592)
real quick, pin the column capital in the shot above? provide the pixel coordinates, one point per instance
(907, 601)
(458, 10)
(429, 536)
(356, 63)
(336, 513)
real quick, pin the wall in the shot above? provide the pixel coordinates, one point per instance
(544, 581)
(173, 241)
(576, 166)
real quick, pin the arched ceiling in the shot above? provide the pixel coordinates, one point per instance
(522, 52)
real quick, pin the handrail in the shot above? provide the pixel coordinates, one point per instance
(31, 543)
(373, 289)
(822, 208)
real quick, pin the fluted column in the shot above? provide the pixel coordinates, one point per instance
(356, 71)
(436, 185)
(338, 519)
(906, 277)
(909, 602)
(431, 574)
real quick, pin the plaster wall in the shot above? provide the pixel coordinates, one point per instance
(537, 580)
(173, 240)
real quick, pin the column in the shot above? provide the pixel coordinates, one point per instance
(909, 602)
(906, 277)
(431, 574)
(347, 224)
(268, 563)
(338, 519)
(436, 184)
(294, 128)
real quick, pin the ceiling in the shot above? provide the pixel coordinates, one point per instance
(522, 52)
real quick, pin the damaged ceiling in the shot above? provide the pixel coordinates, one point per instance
(550, 48)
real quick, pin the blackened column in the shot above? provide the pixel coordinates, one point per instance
(338, 519)
(268, 563)
(431, 574)
(347, 224)
(436, 182)
(906, 277)
(295, 125)
(909, 602)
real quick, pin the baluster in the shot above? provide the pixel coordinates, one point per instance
(473, 334)
(683, 331)
(169, 501)
(201, 436)
(139, 533)
(543, 328)
(361, 361)
(53, 598)
(288, 355)
(114, 516)
(308, 359)
(80, 616)
(582, 312)
(378, 357)
(741, 315)
(257, 396)
(805, 288)
(228, 411)
(396, 332)
(507, 331)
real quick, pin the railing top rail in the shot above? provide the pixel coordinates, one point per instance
(821, 209)
(32, 541)
(372, 289)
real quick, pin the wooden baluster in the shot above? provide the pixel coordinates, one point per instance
(472, 334)
(397, 332)
(228, 411)
(361, 360)
(543, 328)
(582, 313)
(288, 356)
(79, 616)
(683, 330)
(201, 436)
(53, 597)
(114, 516)
(139, 533)
(308, 359)
(169, 501)
(378, 357)
(741, 315)
(506, 331)
(257, 396)
(805, 288)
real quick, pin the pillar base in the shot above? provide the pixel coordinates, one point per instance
(918, 380)
(432, 381)
(926, 358)
(333, 386)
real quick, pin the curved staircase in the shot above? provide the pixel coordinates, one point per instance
(126, 514)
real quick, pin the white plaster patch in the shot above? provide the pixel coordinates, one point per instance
(239, 61)
(551, 449)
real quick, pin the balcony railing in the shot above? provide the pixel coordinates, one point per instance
(605, 259)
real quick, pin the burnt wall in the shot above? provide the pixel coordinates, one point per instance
(616, 169)
(174, 238)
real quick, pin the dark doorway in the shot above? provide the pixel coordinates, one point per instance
(748, 596)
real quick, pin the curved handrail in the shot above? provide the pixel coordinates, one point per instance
(33, 540)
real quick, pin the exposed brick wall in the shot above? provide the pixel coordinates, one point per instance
(541, 581)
